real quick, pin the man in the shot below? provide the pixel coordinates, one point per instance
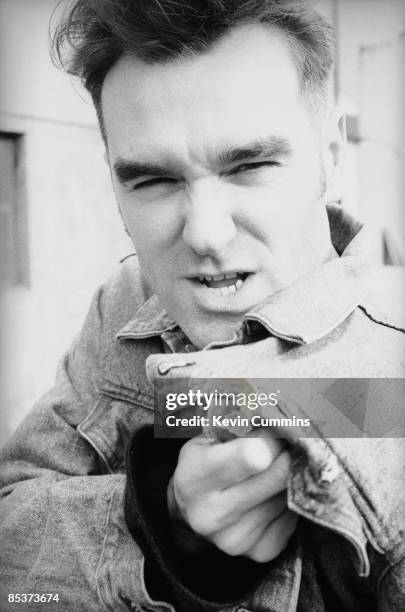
(224, 149)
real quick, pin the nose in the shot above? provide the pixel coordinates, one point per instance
(208, 223)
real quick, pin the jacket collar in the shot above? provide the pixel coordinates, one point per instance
(305, 311)
(150, 320)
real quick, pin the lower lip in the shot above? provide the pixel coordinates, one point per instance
(233, 303)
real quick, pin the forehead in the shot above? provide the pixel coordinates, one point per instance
(245, 87)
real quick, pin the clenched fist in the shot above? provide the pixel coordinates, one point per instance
(234, 495)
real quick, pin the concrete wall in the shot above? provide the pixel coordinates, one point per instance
(75, 233)
(371, 85)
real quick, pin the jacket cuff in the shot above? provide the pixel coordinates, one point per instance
(194, 577)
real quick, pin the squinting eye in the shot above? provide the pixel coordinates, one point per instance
(154, 181)
(253, 166)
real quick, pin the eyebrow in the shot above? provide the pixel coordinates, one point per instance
(269, 147)
(129, 170)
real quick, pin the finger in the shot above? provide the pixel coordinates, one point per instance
(259, 487)
(275, 538)
(245, 531)
(218, 466)
(233, 462)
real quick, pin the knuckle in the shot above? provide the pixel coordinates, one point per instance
(185, 479)
(181, 484)
(232, 551)
(261, 555)
(206, 514)
(218, 509)
(230, 545)
(201, 522)
(187, 454)
(198, 523)
(275, 540)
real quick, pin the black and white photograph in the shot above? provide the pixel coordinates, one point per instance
(202, 305)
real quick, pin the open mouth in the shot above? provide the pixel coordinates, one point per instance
(224, 284)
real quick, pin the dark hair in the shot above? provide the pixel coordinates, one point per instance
(94, 34)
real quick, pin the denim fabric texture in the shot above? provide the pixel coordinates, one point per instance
(62, 527)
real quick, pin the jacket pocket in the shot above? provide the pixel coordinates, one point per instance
(111, 424)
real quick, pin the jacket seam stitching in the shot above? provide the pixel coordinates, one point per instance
(349, 536)
(136, 401)
(43, 533)
(98, 569)
(88, 438)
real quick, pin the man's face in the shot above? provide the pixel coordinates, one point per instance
(217, 170)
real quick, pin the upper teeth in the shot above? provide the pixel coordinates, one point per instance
(217, 277)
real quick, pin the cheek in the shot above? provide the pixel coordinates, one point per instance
(277, 211)
(154, 232)
(152, 226)
(285, 215)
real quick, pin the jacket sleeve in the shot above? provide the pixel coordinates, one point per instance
(195, 575)
(351, 487)
(62, 526)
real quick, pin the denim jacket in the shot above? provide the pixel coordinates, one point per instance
(62, 526)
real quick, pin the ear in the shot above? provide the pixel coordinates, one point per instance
(334, 146)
